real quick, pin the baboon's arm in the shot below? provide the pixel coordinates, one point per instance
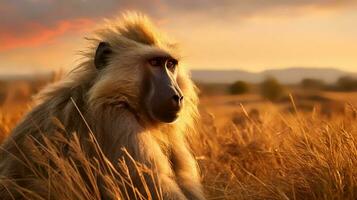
(149, 153)
(187, 172)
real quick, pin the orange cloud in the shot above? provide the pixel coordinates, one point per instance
(37, 34)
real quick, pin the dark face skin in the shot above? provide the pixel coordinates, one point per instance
(164, 97)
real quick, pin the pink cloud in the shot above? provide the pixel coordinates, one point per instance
(37, 34)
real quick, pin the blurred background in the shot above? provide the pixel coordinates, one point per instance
(238, 51)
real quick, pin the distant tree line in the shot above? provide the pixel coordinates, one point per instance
(272, 90)
(239, 87)
(345, 83)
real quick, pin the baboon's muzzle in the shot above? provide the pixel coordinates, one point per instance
(168, 99)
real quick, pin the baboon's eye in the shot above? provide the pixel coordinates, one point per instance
(171, 64)
(156, 62)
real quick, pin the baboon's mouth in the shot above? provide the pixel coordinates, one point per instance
(171, 117)
(165, 113)
(167, 116)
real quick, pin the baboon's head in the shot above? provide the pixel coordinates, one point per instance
(136, 69)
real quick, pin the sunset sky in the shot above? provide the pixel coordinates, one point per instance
(253, 35)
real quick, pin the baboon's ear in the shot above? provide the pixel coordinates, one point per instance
(102, 55)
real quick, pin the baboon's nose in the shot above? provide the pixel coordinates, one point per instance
(177, 100)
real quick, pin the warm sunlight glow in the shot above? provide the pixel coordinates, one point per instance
(234, 35)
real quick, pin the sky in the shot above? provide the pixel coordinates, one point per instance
(252, 35)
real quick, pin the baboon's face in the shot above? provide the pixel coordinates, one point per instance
(163, 98)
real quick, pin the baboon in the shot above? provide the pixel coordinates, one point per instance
(133, 94)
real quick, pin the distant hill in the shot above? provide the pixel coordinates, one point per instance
(287, 76)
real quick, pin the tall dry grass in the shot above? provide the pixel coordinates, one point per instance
(281, 156)
(266, 154)
(60, 169)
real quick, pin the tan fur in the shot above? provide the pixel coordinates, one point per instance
(110, 103)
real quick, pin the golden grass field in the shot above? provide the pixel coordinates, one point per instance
(248, 148)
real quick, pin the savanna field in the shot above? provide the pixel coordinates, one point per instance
(276, 83)
(303, 146)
